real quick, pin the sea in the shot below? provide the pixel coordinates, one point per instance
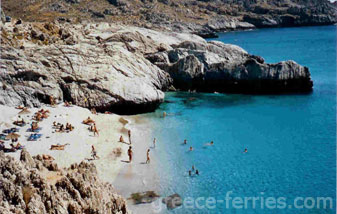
(290, 163)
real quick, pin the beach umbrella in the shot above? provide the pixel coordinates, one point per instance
(25, 111)
(12, 136)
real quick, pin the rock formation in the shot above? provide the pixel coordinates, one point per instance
(219, 67)
(34, 185)
(90, 67)
(202, 17)
(126, 69)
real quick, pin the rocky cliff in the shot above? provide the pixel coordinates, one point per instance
(34, 185)
(126, 69)
(215, 66)
(203, 17)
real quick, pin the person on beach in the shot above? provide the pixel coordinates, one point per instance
(93, 152)
(164, 114)
(95, 130)
(121, 139)
(246, 150)
(191, 148)
(130, 154)
(148, 156)
(129, 134)
(154, 143)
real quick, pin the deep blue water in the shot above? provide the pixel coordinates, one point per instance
(290, 138)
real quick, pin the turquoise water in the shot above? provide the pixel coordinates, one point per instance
(290, 138)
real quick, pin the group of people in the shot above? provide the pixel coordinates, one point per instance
(41, 114)
(130, 151)
(62, 128)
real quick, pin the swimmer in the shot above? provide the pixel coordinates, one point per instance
(191, 148)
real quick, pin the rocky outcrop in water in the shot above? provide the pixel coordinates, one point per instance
(33, 186)
(218, 67)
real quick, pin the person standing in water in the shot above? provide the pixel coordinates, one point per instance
(154, 143)
(197, 172)
(129, 134)
(191, 148)
(130, 154)
(185, 141)
(246, 150)
(148, 156)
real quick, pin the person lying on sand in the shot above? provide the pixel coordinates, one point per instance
(17, 147)
(61, 129)
(58, 146)
(88, 121)
(20, 107)
(47, 157)
(130, 153)
(67, 104)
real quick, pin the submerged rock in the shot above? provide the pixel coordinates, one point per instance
(28, 187)
(173, 201)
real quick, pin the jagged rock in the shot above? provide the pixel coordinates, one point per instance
(110, 74)
(215, 66)
(26, 190)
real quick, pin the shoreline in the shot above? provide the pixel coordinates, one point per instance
(139, 176)
(126, 178)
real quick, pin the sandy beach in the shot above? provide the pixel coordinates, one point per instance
(80, 140)
(126, 177)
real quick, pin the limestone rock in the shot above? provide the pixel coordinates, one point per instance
(219, 67)
(24, 189)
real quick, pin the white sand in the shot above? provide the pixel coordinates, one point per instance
(80, 139)
(126, 177)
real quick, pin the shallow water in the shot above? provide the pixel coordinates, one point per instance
(290, 138)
